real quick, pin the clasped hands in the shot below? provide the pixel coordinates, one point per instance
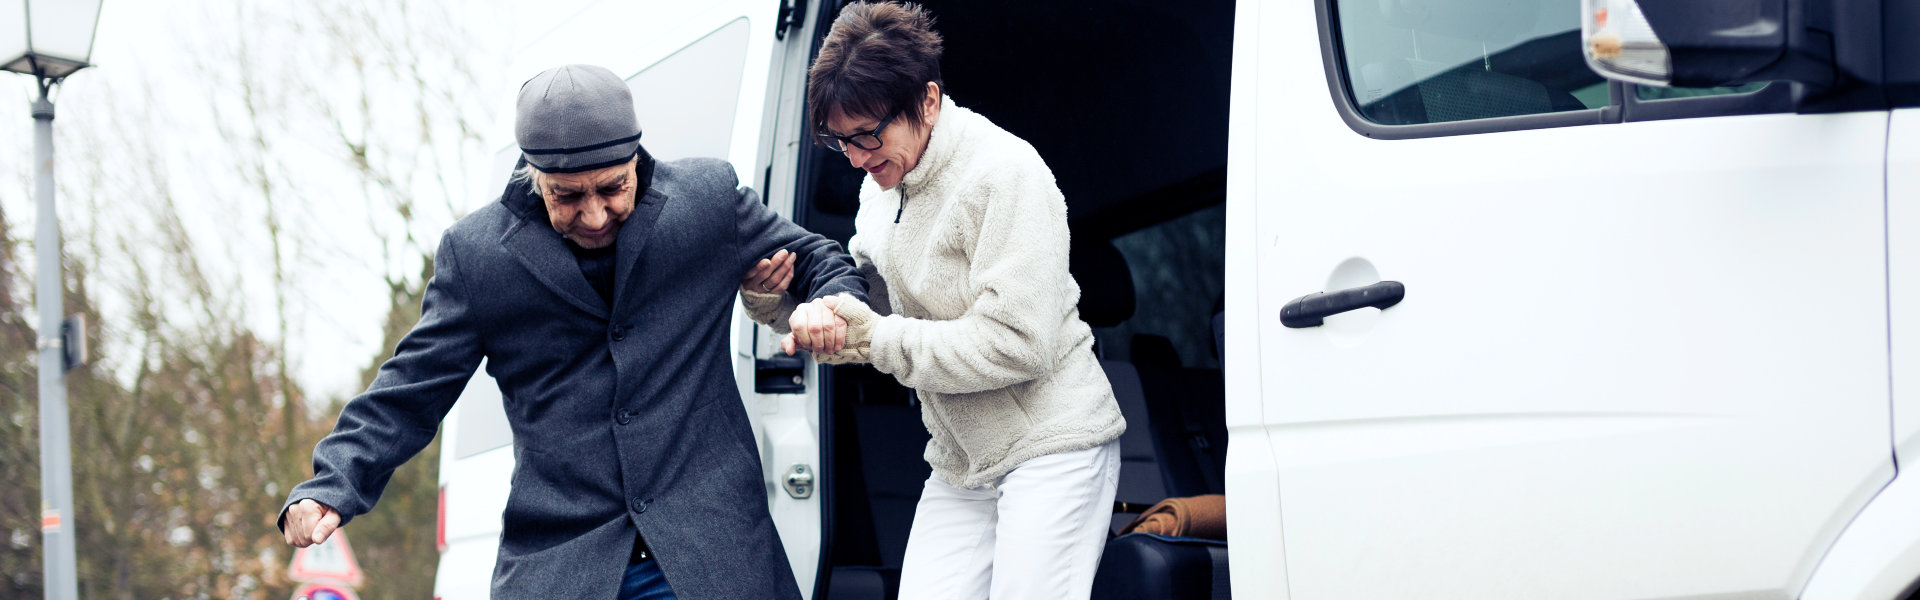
(820, 326)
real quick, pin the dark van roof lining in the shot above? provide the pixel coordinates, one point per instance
(1127, 104)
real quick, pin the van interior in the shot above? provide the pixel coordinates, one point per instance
(1127, 102)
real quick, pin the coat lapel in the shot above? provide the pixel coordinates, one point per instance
(545, 254)
(633, 236)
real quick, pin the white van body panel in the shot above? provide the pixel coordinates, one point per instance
(1655, 349)
(475, 476)
(476, 497)
(628, 37)
(1257, 558)
(1903, 275)
(1879, 556)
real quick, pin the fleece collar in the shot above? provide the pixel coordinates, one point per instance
(943, 144)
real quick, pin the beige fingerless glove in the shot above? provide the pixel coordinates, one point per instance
(767, 309)
(860, 321)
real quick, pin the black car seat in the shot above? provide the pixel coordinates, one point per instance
(1186, 417)
(1141, 565)
(1106, 300)
(872, 481)
(1188, 424)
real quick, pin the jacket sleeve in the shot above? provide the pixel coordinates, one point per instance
(1018, 262)
(771, 310)
(821, 267)
(400, 412)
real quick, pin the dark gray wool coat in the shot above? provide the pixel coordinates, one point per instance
(624, 418)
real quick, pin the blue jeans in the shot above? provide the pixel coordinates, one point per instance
(644, 581)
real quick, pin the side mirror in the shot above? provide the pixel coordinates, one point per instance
(1704, 43)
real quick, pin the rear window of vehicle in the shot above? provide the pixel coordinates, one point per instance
(686, 102)
(1411, 62)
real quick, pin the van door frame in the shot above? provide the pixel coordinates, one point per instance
(796, 434)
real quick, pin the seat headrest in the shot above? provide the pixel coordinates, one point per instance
(1155, 350)
(1106, 286)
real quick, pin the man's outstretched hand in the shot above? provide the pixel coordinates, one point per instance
(310, 523)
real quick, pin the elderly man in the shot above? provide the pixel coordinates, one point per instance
(599, 289)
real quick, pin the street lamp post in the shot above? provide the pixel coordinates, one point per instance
(50, 39)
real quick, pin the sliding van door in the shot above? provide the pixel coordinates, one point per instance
(1632, 359)
(1903, 236)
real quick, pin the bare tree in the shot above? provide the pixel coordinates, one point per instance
(193, 422)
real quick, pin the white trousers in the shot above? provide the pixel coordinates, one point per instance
(1036, 533)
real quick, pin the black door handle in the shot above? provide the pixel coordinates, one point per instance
(1309, 310)
(780, 374)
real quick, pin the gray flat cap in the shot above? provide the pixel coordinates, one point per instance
(576, 118)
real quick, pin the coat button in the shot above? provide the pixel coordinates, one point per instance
(625, 417)
(619, 333)
(639, 505)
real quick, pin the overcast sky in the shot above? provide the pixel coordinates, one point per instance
(150, 89)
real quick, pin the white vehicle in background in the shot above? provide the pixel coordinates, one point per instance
(1474, 320)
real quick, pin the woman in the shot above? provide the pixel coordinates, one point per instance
(963, 236)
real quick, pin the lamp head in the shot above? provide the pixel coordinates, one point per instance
(49, 39)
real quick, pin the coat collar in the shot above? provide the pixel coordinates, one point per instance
(943, 144)
(634, 234)
(543, 251)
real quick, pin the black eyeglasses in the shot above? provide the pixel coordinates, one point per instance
(868, 141)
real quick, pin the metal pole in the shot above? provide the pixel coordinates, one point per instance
(56, 454)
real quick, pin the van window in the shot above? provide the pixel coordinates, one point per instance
(1410, 62)
(1649, 103)
(1179, 274)
(686, 102)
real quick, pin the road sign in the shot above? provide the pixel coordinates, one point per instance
(331, 561)
(324, 591)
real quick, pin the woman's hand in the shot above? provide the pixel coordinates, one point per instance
(853, 336)
(771, 275)
(815, 328)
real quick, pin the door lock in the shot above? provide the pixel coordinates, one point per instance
(800, 482)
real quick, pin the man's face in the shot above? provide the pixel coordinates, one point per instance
(588, 207)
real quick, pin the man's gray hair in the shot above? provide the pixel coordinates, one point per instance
(530, 176)
(534, 178)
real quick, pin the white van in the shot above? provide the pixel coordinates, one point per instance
(1474, 320)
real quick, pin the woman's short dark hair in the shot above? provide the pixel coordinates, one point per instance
(876, 63)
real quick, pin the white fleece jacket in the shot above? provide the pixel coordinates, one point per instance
(984, 322)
